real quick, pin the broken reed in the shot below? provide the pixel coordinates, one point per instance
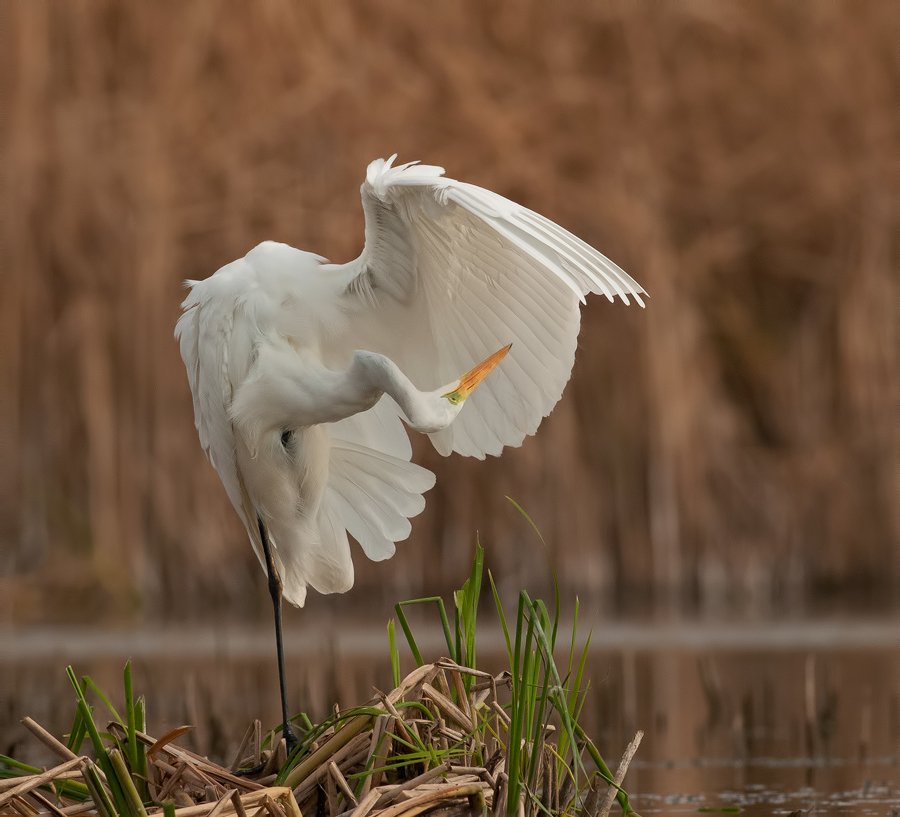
(449, 735)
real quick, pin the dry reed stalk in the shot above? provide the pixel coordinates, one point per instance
(12, 782)
(619, 777)
(34, 781)
(379, 748)
(251, 738)
(55, 746)
(278, 800)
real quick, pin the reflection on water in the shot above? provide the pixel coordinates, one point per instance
(771, 718)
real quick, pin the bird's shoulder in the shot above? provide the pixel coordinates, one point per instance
(269, 271)
(270, 281)
(276, 295)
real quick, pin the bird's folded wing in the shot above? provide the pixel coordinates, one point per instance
(216, 346)
(451, 272)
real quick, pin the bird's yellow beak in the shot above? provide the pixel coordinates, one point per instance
(470, 380)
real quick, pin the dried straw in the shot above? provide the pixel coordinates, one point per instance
(358, 766)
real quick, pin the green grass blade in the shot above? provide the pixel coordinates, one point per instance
(100, 751)
(466, 603)
(557, 694)
(407, 630)
(521, 705)
(78, 732)
(133, 801)
(457, 623)
(529, 520)
(19, 766)
(445, 626)
(579, 674)
(571, 659)
(410, 638)
(136, 751)
(539, 692)
(473, 596)
(539, 724)
(501, 614)
(102, 800)
(140, 719)
(104, 762)
(130, 716)
(86, 713)
(556, 609)
(104, 698)
(395, 654)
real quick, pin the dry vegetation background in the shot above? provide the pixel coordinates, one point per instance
(735, 441)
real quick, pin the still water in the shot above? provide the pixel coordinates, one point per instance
(768, 718)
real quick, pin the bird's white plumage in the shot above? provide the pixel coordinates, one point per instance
(449, 273)
(372, 482)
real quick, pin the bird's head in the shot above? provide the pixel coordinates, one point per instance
(457, 393)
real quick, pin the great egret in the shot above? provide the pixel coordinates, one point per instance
(303, 372)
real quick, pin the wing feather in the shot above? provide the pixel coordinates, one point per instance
(451, 272)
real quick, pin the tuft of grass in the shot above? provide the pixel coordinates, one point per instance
(119, 754)
(111, 767)
(550, 764)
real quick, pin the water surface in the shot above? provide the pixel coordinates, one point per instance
(767, 717)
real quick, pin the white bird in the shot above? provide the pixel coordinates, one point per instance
(303, 372)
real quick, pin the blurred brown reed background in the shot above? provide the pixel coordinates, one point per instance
(735, 441)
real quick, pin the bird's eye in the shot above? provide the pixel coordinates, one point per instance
(453, 397)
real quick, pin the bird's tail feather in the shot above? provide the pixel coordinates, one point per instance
(319, 557)
(375, 494)
(370, 492)
(370, 495)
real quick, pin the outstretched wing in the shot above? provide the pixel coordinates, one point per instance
(451, 272)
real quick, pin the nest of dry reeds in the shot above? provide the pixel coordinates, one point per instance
(433, 744)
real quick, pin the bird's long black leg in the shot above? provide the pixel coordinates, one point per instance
(275, 591)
